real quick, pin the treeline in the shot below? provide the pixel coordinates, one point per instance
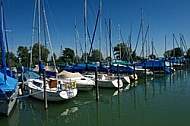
(121, 51)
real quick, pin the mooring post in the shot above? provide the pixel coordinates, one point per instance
(118, 76)
(134, 71)
(96, 83)
(45, 92)
(145, 73)
(165, 67)
(153, 68)
(22, 85)
(160, 67)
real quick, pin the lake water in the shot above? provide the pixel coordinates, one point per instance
(161, 101)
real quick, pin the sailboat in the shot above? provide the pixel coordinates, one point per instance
(56, 90)
(83, 83)
(8, 84)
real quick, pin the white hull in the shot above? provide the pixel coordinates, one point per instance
(82, 85)
(125, 79)
(110, 83)
(7, 106)
(53, 94)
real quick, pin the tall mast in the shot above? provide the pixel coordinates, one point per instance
(106, 30)
(46, 32)
(39, 30)
(110, 37)
(85, 29)
(3, 62)
(142, 31)
(119, 40)
(100, 32)
(32, 39)
(75, 26)
(165, 45)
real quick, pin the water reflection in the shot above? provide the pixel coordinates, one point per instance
(12, 119)
(141, 104)
(57, 113)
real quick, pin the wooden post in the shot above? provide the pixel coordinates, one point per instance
(134, 71)
(118, 76)
(170, 66)
(165, 67)
(153, 68)
(96, 83)
(45, 93)
(160, 67)
(145, 73)
(22, 86)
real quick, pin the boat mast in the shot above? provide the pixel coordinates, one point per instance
(3, 62)
(46, 31)
(32, 39)
(75, 26)
(142, 32)
(119, 40)
(100, 29)
(39, 30)
(85, 28)
(165, 45)
(110, 38)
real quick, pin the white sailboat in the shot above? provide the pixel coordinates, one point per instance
(107, 81)
(56, 90)
(83, 83)
(8, 84)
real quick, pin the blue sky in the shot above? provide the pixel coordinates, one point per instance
(166, 17)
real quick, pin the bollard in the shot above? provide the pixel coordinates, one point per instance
(45, 93)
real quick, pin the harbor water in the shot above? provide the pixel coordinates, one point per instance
(162, 100)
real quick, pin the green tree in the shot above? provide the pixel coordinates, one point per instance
(68, 55)
(51, 60)
(35, 53)
(176, 52)
(187, 53)
(23, 55)
(96, 54)
(122, 52)
(14, 61)
(84, 57)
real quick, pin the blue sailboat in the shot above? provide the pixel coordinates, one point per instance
(157, 66)
(8, 84)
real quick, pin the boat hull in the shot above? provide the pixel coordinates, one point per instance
(110, 83)
(53, 95)
(82, 85)
(6, 106)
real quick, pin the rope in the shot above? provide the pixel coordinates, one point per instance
(28, 94)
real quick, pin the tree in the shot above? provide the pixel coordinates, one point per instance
(68, 55)
(122, 52)
(23, 55)
(96, 54)
(14, 61)
(188, 53)
(35, 53)
(176, 52)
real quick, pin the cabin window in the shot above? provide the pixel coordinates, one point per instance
(37, 84)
